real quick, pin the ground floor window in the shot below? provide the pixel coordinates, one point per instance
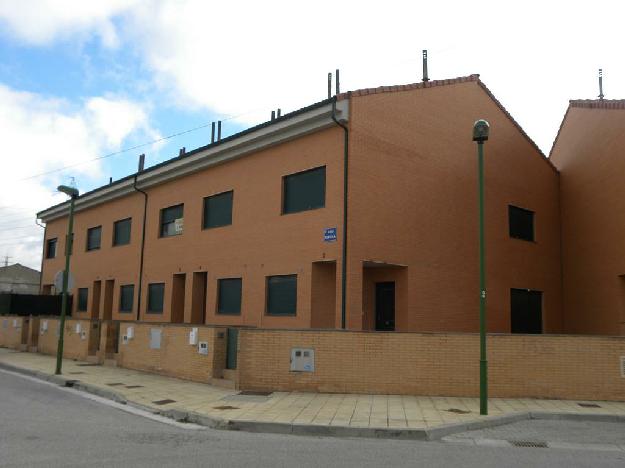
(126, 296)
(282, 295)
(156, 296)
(83, 296)
(526, 311)
(229, 296)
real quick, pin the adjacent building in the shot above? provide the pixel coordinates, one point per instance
(19, 279)
(589, 154)
(357, 212)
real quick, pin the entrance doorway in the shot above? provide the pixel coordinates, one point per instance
(526, 314)
(177, 298)
(385, 306)
(109, 286)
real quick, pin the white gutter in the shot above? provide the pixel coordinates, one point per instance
(280, 132)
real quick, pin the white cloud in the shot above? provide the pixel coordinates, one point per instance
(41, 134)
(42, 21)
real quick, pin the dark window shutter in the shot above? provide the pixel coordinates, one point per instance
(94, 237)
(521, 223)
(126, 297)
(156, 293)
(229, 301)
(282, 295)
(121, 231)
(304, 190)
(168, 219)
(218, 210)
(83, 296)
(51, 248)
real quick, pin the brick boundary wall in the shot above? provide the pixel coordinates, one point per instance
(438, 364)
(75, 343)
(11, 331)
(176, 357)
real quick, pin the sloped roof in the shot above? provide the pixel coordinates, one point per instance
(451, 81)
(601, 104)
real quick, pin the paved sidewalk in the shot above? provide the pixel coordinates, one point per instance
(331, 414)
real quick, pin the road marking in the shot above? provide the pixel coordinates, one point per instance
(104, 401)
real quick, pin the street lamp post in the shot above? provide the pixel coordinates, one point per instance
(480, 135)
(73, 194)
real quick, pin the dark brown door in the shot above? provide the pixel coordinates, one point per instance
(385, 306)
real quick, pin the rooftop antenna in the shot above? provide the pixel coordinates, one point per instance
(338, 82)
(273, 115)
(425, 66)
(182, 152)
(219, 130)
(329, 85)
(212, 132)
(279, 113)
(141, 162)
(601, 84)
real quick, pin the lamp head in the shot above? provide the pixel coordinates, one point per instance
(70, 191)
(480, 130)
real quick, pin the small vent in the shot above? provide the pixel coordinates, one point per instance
(622, 366)
(252, 392)
(87, 364)
(163, 402)
(528, 443)
(76, 373)
(589, 405)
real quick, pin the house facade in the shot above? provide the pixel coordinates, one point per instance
(358, 212)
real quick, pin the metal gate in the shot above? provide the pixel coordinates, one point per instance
(231, 350)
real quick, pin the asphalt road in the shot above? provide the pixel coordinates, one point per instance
(44, 425)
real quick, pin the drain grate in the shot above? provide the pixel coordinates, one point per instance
(589, 405)
(115, 384)
(76, 373)
(253, 393)
(164, 402)
(529, 443)
(457, 411)
(225, 407)
(87, 364)
(134, 386)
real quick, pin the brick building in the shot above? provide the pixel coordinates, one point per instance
(588, 152)
(358, 211)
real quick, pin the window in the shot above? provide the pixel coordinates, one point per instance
(229, 299)
(83, 296)
(69, 244)
(126, 296)
(526, 315)
(51, 248)
(94, 236)
(121, 231)
(156, 293)
(218, 210)
(304, 191)
(282, 295)
(171, 220)
(521, 223)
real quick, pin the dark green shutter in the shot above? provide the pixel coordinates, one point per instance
(305, 190)
(51, 248)
(83, 296)
(218, 210)
(282, 295)
(229, 301)
(94, 236)
(126, 297)
(168, 217)
(156, 293)
(121, 231)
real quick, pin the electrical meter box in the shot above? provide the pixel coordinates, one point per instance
(202, 348)
(15, 323)
(155, 338)
(302, 360)
(130, 333)
(78, 328)
(83, 335)
(44, 326)
(193, 336)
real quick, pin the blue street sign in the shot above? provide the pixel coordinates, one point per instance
(329, 234)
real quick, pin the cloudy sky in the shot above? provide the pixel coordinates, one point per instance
(82, 81)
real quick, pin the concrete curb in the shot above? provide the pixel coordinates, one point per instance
(312, 430)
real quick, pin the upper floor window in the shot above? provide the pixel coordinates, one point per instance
(51, 248)
(172, 220)
(83, 296)
(218, 210)
(94, 237)
(121, 231)
(521, 223)
(304, 190)
(282, 295)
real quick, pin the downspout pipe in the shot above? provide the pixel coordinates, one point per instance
(345, 191)
(145, 211)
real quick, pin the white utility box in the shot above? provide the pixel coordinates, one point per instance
(130, 333)
(302, 360)
(78, 328)
(193, 336)
(44, 326)
(202, 348)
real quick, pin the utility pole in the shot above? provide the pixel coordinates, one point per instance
(6, 260)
